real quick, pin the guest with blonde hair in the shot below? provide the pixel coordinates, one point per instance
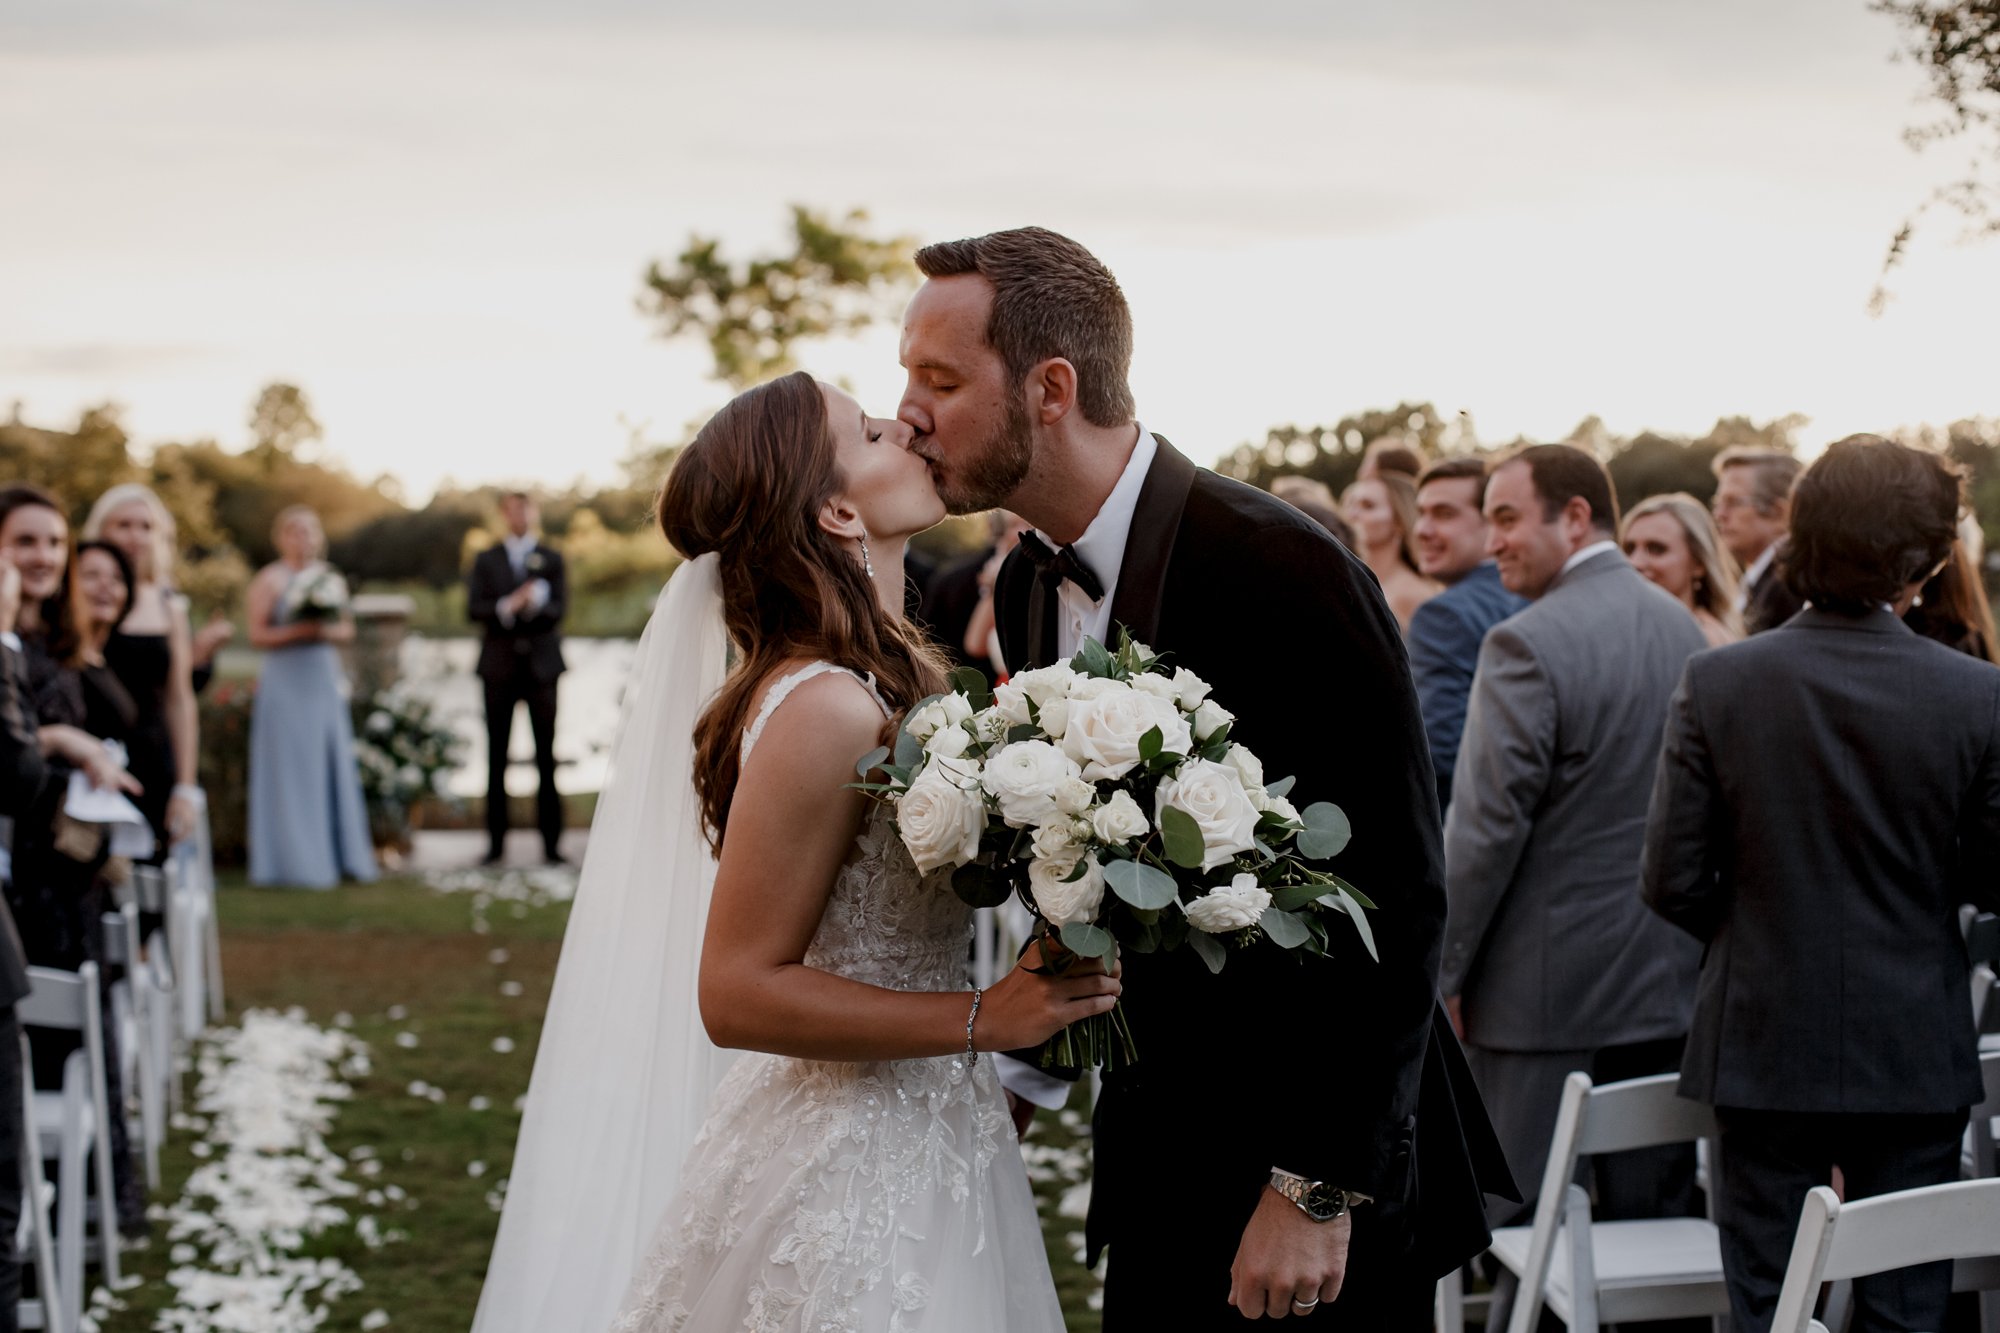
(1672, 540)
(151, 654)
(1382, 510)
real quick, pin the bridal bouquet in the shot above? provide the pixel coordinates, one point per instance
(318, 594)
(1107, 794)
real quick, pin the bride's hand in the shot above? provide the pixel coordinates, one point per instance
(1026, 1008)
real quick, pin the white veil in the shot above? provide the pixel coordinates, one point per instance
(624, 1072)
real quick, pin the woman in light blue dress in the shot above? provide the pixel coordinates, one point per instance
(308, 820)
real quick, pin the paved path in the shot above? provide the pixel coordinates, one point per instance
(459, 849)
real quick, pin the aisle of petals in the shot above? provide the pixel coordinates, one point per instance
(267, 1183)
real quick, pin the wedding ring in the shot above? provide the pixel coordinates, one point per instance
(1305, 1307)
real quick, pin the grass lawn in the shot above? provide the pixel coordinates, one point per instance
(400, 946)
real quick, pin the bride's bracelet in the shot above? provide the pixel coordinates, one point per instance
(972, 1056)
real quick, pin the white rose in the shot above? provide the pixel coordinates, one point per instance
(1235, 907)
(1056, 839)
(1074, 795)
(1156, 685)
(1061, 903)
(1095, 687)
(957, 708)
(948, 742)
(1210, 718)
(1045, 683)
(940, 820)
(1024, 778)
(1189, 689)
(1212, 795)
(1055, 717)
(1250, 768)
(1011, 702)
(928, 720)
(1143, 651)
(1282, 808)
(1104, 733)
(1119, 819)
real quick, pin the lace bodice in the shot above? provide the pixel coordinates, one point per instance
(884, 924)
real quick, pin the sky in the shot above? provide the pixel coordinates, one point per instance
(434, 215)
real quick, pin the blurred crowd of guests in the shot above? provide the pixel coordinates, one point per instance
(1717, 781)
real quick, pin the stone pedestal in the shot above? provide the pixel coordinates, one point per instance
(381, 621)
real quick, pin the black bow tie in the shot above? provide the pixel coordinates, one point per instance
(1058, 566)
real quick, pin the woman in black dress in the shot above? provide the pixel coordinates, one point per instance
(151, 653)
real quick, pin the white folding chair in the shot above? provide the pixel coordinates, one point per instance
(33, 1240)
(74, 1124)
(1586, 1272)
(1836, 1242)
(203, 856)
(131, 1000)
(188, 921)
(149, 885)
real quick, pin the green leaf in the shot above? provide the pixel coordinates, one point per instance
(1023, 733)
(1282, 787)
(1146, 939)
(1352, 892)
(1077, 871)
(1141, 885)
(971, 682)
(1182, 838)
(908, 748)
(1295, 896)
(1264, 850)
(1326, 831)
(1150, 743)
(1210, 949)
(1286, 931)
(1092, 660)
(898, 772)
(980, 885)
(870, 761)
(1086, 940)
(1360, 920)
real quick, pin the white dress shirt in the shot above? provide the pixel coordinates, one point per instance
(1754, 575)
(1102, 548)
(518, 550)
(1595, 548)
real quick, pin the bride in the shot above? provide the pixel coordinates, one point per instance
(860, 1170)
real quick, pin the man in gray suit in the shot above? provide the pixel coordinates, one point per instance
(1551, 961)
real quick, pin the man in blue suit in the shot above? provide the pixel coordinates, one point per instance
(1446, 632)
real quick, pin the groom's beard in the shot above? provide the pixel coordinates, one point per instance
(994, 469)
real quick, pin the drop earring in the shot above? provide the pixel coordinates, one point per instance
(867, 565)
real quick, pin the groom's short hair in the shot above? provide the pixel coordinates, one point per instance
(1563, 472)
(1051, 297)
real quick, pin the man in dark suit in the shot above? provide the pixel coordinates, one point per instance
(1828, 796)
(22, 773)
(1753, 505)
(1446, 631)
(518, 591)
(1298, 1137)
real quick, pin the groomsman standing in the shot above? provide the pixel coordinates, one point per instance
(518, 591)
(1551, 961)
(1753, 508)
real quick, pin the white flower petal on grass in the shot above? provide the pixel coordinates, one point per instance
(475, 1169)
(497, 957)
(479, 1104)
(373, 1320)
(503, 1045)
(511, 989)
(406, 1040)
(397, 1013)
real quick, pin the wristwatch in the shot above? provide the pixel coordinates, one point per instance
(1315, 1198)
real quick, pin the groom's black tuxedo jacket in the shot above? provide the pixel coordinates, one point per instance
(1339, 1068)
(536, 637)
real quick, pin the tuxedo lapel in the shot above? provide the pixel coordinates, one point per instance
(1149, 545)
(1042, 614)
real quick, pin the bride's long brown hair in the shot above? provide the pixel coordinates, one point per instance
(750, 489)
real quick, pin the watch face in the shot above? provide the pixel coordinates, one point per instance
(1323, 1200)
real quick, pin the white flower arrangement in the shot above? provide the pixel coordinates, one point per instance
(1106, 793)
(319, 593)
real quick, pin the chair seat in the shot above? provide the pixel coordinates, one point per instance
(1665, 1268)
(52, 1122)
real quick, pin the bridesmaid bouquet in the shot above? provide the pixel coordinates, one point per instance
(1107, 795)
(317, 594)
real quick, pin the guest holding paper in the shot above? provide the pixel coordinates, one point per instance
(308, 818)
(1828, 795)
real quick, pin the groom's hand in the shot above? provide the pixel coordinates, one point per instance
(1285, 1257)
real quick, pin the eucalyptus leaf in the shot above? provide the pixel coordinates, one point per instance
(1182, 838)
(1295, 896)
(1326, 831)
(1286, 931)
(1146, 939)
(1210, 949)
(980, 885)
(870, 761)
(1087, 941)
(1360, 920)
(1282, 787)
(1141, 885)
(1352, 892)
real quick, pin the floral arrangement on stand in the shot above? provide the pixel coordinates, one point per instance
(406, 753)
(1107, 794)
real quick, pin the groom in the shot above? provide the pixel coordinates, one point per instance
(1334, 1080)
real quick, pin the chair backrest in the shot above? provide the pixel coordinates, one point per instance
(121, 936)
(1838, 1241)
(63, 1001)
(149, 887)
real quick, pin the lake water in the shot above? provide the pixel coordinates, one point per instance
(589, 697)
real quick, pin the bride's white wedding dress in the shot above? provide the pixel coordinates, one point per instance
(886, 1197)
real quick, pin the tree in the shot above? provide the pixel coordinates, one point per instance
(1651, 463)
(836, 279)
(282, 420)
(1332, 454)
(1957, 43)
